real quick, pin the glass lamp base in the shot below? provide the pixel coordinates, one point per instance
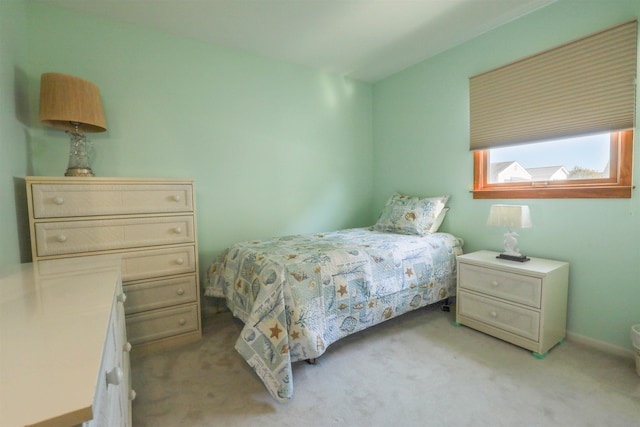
(79, 152)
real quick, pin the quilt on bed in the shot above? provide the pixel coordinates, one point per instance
(298, 294)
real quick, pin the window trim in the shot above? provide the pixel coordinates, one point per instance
(618, 186)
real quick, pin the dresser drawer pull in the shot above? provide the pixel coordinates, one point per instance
(127, 347)
(178, 230)
(495, 283)
(180, 292)
(180, 261)
(115, 376)
(61, 238)
(58, 201)
(122, 298)
(182, 322)
(494, 314)
(176, 198)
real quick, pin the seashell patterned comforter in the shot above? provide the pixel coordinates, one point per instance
(298, 294)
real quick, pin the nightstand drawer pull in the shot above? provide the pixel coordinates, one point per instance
(176, 198)
(494, 314)
(58, 201)
(178, 230)
(180, 292)
(494, 284)
(61, 238)
(180, 261)
(182, 322)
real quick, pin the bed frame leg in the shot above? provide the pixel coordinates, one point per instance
(447, 305)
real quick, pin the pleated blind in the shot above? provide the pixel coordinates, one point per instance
(585, 86)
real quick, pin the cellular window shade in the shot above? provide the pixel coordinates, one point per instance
(585, 86)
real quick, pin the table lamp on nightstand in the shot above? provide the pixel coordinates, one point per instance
(510, 216)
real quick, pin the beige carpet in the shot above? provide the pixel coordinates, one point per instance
(416, 370)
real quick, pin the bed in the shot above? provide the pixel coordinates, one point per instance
(296, 295)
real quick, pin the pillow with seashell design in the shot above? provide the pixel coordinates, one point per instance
(412, 215)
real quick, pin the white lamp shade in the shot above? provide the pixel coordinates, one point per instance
(510, 216)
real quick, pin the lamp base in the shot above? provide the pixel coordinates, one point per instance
(520, 258)
(79, 172)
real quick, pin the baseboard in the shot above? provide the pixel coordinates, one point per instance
(600, 345)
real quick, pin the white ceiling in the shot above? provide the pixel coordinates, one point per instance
(363, 39)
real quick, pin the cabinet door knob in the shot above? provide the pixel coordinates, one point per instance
(178, 230)
(182, 322)
(58, 200)
(61, 238)
(180, 291)
(115, 376)
(176, 198)
(179, 261)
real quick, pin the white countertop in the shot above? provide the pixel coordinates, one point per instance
(54, 317)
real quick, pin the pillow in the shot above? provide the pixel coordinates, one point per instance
(438, 222)
(412, 215)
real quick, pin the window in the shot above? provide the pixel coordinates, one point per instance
(590, 167)
(583, 87)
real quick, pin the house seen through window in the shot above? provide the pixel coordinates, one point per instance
(579, 158)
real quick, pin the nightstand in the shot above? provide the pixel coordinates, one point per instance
(522, 303)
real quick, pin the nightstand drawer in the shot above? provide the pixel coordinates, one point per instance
(161, 324)
(517, 320)
(157, 263)
(518, 288)
(160, 293)
(70, 237)
(73, 200)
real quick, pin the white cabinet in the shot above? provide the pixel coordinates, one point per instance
(522, 303)
(64, 354)
(151, 223)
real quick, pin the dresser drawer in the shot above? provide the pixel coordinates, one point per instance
(151, 263)
(518, 288)
(73, 200)
(59, 238)
(161, 324)
(160, 293)
(517, 320)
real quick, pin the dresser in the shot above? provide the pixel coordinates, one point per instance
(522, 303)
(150, 223)
(64, 355)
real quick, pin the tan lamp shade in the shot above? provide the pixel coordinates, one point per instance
(67, 100)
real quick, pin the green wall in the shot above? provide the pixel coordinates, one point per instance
(421, 147)
(274, 148)
(14, 160)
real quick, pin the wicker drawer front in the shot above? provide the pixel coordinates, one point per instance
(519, 321)
(160, 293)
(512, 287)
(59, 238)
(161, 324)
(73, 200)
(157, 263)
